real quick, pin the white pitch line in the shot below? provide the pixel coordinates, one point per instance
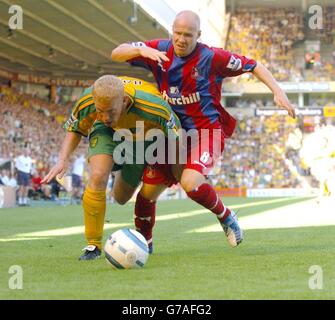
(303, 214)
(45, 234)
(66, 231)
(22, 239)
(177, 215)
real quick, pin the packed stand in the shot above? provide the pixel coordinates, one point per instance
(30, 124)
(269, 152)
(269, 36)
(327, 33)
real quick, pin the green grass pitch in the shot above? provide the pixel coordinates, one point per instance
(269, 264)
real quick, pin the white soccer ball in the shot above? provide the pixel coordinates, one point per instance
(126, 249)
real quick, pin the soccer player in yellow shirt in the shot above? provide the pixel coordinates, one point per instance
(111, 105)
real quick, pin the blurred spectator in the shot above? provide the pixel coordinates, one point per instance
(77, 176)
(7, 179)
(23, 164)
(110, 186)
(39, 190)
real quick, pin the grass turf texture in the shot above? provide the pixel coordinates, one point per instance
(270, 263)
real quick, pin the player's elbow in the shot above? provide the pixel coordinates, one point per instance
(114, 55)
(259, 68)
(118, 53)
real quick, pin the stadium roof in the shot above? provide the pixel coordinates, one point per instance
(279, 3)
(73, 39)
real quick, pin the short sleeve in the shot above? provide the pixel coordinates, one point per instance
(228, 64)
(82, 117)
(140, 61)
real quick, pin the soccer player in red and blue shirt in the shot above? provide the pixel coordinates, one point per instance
(189, 74)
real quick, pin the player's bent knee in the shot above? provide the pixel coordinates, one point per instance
(121, 199)
(98, 180)
(189, 185)
(152, 192)
(191, 180)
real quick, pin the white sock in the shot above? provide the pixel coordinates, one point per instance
(222, 214)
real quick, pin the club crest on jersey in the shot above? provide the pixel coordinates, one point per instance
(195, 73)
(174, 91)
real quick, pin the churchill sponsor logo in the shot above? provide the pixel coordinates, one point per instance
(182, 100)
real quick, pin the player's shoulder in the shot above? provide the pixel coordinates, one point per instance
(164, 44)
(87, 93)
(159, 44)
(151, 104)
(146, 97)
(207, 51)
(84, 100)
(132, 85)
(133, 81)
(85, 96)
(218, 50)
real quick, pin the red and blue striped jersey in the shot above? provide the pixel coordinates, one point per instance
(192, 85)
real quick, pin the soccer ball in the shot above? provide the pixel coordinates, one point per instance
(126, 249)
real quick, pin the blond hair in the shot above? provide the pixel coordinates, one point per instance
(107, 88)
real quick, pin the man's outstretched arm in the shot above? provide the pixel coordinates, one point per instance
(69, 144)
(280, 97)
(127, 51)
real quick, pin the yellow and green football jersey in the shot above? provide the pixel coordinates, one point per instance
(147, 105)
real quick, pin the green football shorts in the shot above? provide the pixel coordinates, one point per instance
(101, 142)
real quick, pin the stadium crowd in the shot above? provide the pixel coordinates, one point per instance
(28, 123)
(249, 102)
(270, 35)
(326, 34)
(269, 152)
(260, 154)
(256, 156)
